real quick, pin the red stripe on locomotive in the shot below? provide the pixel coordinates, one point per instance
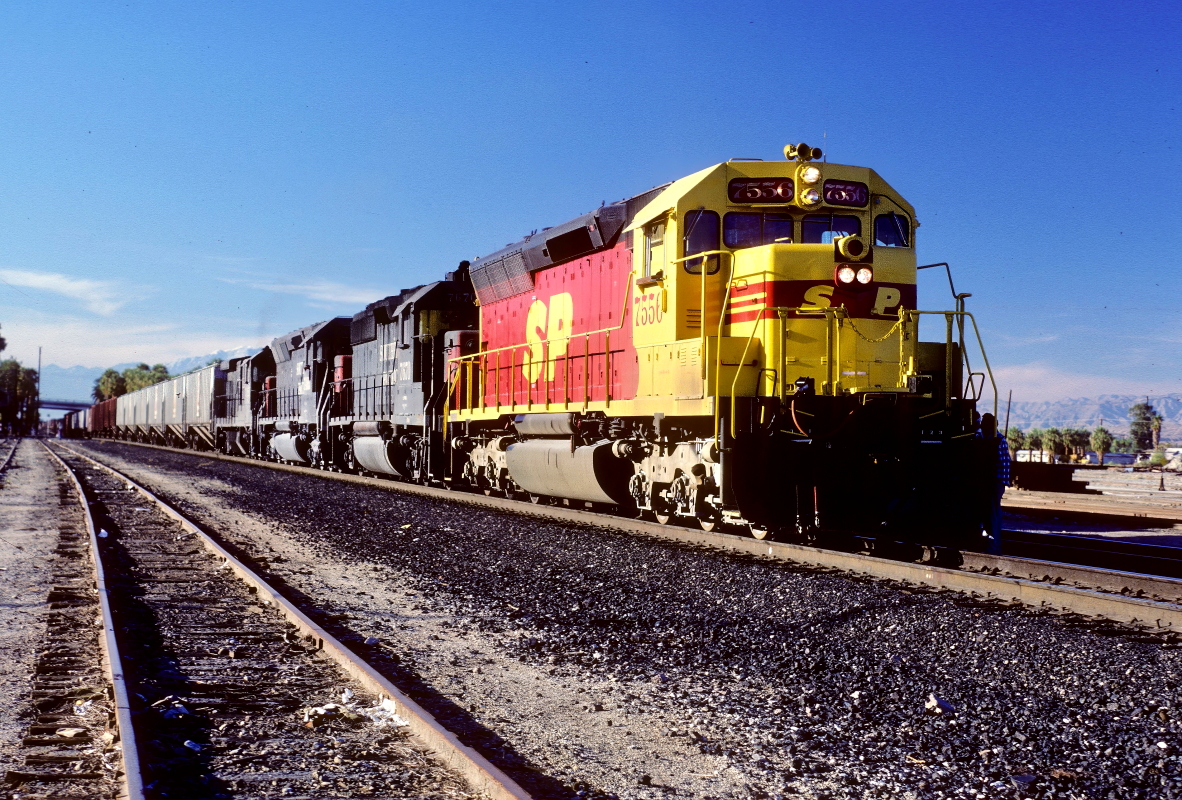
(877, 301)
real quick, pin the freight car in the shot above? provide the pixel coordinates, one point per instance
(101, 420)
(75, 424)
(176, 412)
(739, 347)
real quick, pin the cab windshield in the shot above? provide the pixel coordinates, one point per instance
(824, 228)
(741, 229)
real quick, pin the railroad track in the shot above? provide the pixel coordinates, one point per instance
(1145, 601)
(222, 687)
(1095, 551)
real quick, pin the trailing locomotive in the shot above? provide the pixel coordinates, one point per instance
(740, 346)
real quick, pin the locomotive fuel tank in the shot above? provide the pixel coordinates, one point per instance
(375, 449)
(291, 446)
(550, 467)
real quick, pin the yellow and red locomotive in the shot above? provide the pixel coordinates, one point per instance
(740, 345)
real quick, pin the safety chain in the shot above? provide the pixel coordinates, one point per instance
(863, 336)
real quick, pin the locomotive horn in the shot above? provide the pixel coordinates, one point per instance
(801, 152)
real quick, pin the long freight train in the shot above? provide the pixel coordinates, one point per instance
(737, 347)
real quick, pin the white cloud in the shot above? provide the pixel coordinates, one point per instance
(1027, 340)
(71, 341)
(1037, 381)
(323, 293)
(101, 297)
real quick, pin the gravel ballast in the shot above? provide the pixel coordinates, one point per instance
(602, 663)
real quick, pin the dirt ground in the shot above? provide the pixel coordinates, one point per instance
(28, 534)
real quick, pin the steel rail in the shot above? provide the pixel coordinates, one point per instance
(1118, 596)
(480, 773)
(8, 458)
(1081, 576)
(1095, 551)
(133, 780)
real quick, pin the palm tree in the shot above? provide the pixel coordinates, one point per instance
(1052, 442)
(109, 384)
(1034, 440)
(1016, 441)
(1101, 442)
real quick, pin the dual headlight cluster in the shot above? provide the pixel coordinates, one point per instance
(810, 176)
(847, 275)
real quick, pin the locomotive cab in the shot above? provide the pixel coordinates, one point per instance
(798, 282)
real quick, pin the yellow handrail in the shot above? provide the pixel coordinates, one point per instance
(702, 303)
(831, 315)
(980, 344)
(730, 282)
(781, 312)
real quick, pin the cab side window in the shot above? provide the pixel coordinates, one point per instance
(701, 236)
(654, 249)
(892, 230)
(824, 228)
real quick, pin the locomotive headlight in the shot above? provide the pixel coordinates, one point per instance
(810, 174)
(810, 197)
(865, 275)
(846, 275)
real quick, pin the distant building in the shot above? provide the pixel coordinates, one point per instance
(1114, 459)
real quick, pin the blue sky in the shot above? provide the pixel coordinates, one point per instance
(183, 178)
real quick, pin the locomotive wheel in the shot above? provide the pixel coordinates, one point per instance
(539, 499)
(761, 532)
(662, 518)
(708, 524)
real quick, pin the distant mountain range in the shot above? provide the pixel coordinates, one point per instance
(1088, 412)
(77, 383)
